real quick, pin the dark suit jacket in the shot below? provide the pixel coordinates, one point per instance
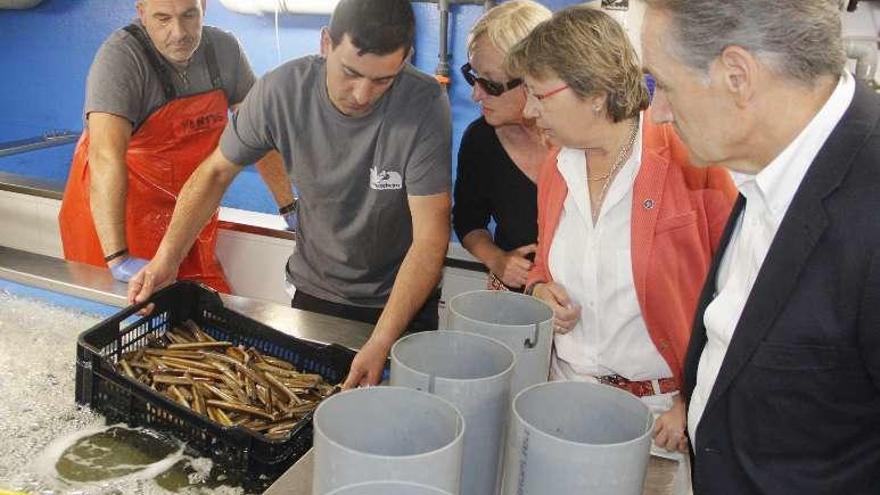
(796, 405)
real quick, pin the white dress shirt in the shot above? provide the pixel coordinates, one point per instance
(594, 265)
(768, 195)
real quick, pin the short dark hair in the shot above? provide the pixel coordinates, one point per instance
(379, 27)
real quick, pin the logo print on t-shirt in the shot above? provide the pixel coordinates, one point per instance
(382, 180)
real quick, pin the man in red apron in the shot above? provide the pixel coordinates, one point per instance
(157, 100)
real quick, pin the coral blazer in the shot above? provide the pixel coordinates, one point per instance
(678, 215)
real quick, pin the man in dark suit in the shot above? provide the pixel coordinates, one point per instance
(782, 376)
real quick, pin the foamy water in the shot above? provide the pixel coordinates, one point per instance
(40, 422)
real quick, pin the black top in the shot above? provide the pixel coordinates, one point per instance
(489, 184)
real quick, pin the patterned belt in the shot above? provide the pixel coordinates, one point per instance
(495, 283)
(643, 388)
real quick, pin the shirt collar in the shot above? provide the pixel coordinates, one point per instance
(778, 182)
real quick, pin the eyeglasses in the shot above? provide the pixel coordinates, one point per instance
(491, 87)
(548, 94)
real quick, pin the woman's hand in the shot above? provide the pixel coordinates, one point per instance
(513, 266)
(566, 314)
(670, 428)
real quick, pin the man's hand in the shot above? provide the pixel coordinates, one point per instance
(154, 276)
(669, 429)
(125, 267)
(366, 369)
(566, 314)
(512, 267)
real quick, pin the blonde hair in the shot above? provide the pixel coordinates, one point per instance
(591, 53)
(507, 23)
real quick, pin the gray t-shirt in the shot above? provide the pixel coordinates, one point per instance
(353, 174)
(122, 82)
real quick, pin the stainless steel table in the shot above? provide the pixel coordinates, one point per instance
(96, 284)
(297, 480)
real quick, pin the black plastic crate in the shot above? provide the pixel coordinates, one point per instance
(261, 460)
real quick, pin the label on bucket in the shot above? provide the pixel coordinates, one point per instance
(523, 460)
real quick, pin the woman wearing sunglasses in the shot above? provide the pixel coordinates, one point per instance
(500, 153)
(627, 226)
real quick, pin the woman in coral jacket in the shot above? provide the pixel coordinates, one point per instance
(626, 225)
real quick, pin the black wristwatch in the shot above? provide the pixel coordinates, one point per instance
(291, 207)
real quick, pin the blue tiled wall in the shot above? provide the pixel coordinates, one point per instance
(45, 55)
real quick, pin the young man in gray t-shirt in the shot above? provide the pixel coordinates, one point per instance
(366, 139)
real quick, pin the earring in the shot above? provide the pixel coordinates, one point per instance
(595, 108)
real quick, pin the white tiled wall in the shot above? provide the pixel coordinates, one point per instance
(864, 22)
(30, 223)
(255, 265)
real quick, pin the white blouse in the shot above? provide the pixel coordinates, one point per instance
(594, 264)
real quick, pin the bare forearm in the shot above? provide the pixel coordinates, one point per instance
(108, 178)
(271, 169)
(419, 274)
(480, 244)
(107, 194)
(198, 200)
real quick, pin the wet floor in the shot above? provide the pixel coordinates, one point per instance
(50, 446)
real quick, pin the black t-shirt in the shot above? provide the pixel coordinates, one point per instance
(489, 184)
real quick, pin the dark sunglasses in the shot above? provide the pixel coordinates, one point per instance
(491, 87)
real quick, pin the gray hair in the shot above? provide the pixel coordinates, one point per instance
(798, 39)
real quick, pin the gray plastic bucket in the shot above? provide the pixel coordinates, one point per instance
(473, 373)
(577, 437)
(388, 488)
(387, 434)
(523, 323)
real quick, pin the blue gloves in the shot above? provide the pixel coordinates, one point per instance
(291, 219)
(127, 268)
(289, 214)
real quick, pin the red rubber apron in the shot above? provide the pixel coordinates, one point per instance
(161, 156)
